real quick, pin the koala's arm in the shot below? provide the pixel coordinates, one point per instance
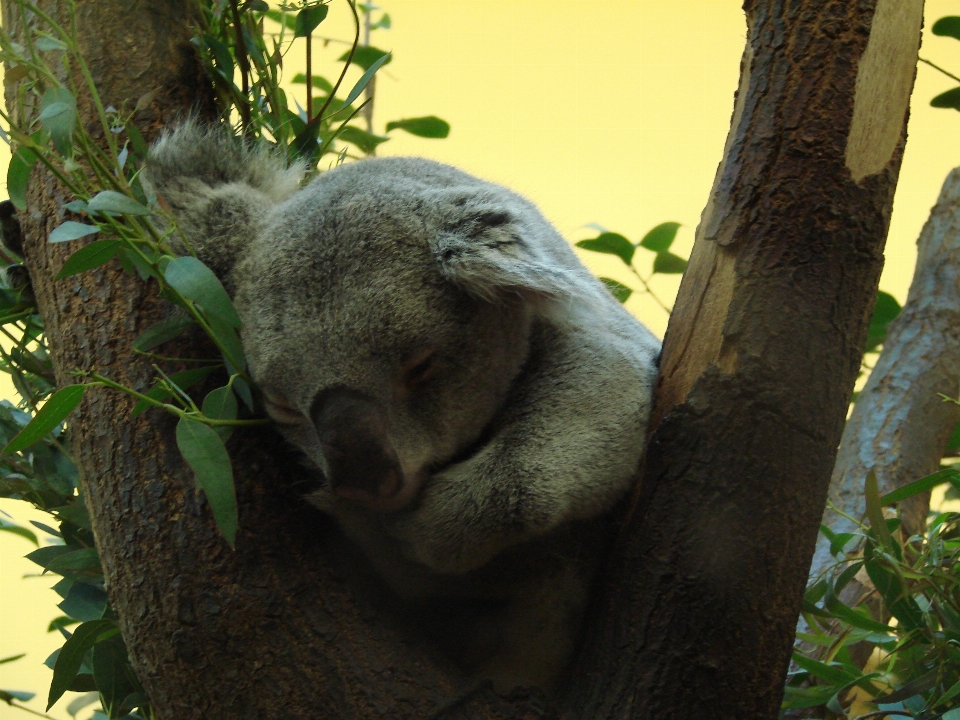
(218, 188)
(566, 447)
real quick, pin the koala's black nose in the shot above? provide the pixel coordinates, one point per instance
(361, 460)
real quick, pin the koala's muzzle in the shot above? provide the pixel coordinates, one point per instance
(361, 461)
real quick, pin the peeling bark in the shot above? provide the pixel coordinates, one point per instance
(759, 362)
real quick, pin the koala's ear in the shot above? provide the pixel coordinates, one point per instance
(496, 250)
(218, 188)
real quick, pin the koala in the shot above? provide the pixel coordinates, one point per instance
(471, 401)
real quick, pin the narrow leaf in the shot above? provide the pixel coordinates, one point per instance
(71, 655)
(206, 455)
(831, 673)
(194, 280)
(365, 79)
(660, 238)
(366, 142)
(112, 202)
(875, 511)
(71, 230)
(58, 116)
(18, 173)
(54, 412)
(89, 257)
(48, 44)
(11, 658)
(162, 332)
(920, 486)
(365, 56)
(611, 244)
(21, 531)
(429, 126)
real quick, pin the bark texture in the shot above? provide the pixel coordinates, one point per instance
(759, 362)
(900, 426)
(270, 630)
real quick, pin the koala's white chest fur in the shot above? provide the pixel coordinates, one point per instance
(476, 401)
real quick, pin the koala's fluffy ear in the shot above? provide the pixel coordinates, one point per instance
(218, 188)
(498, 247)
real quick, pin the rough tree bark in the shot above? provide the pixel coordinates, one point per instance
(759, 362)
(758, 366)
(900, 426)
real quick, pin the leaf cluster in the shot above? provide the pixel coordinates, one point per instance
(906, 611)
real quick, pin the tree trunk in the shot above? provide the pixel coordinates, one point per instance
(900, 426)
(759, 362)
(697, 616)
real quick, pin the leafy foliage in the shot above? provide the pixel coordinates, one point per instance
(905, 613)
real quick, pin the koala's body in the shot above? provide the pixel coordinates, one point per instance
(475, 400)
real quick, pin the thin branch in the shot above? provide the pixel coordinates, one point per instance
(937, 67)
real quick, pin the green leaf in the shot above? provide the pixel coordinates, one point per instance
(365, 79)
(429, 126)
(58, 115)
(206, 455)
(308, 19)
(948, 99)
(46, 555)
(72, 231)
(953, 714)
(84, 602)
(72, 653)
(183, 380)
(221, 56)
(318, 82)
(839, 541)
(18, 530)
(948, 26)
(195, 281)
(18, 173)
(669, 264)
(885, 309)
(163, 331)
(110, 202)
(227, 339)
(286, 19)
(875, 512)
(221, 404)
(901, 605)
(831, 673)
(11, 658)
(920, 486)
(853, 617)
(77, 560)
(48, 44)
(111, 674)
(367, 142)
(10, 695)
(53, 412)
(661, 237)
(611, 244)
(620, 291)
(97, 253)
(846, 576)
(366, 56)
(949, 695)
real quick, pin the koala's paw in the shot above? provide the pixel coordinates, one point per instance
(446, 531)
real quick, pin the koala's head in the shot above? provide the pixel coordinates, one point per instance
(386, 313)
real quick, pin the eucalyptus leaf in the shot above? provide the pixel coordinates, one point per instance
(48, 44)
(365, 56)
(18, 174)
(285, 19)
(11, 658)
(84, 602)
(366, 142)
(88, 257)
(58, 115)
(667, 263)
(163, 331)
(921, 486)
(660, 238)
(365, 79)
(611, 244)
(948, 26)
(308, 19)
(206, 455)
(53, 412)
(195, 281)
(18, 530)
(318, 82)
(885, 309)
(72, 653)
(111, 202)
(71, 230)
(948, 99)
(620, 291)
(221, 404)
(22, 695)
(429, 126)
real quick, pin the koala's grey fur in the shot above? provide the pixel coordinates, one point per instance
(476, 399)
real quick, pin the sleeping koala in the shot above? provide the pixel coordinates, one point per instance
(475, 400)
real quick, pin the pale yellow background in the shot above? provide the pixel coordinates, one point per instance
(605, 111)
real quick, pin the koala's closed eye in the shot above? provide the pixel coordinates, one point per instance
(283, 412)
(420, 368)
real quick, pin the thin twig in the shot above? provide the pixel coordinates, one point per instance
(14, 704)
(937, 67)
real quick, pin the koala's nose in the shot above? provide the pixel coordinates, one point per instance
(361, 461)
